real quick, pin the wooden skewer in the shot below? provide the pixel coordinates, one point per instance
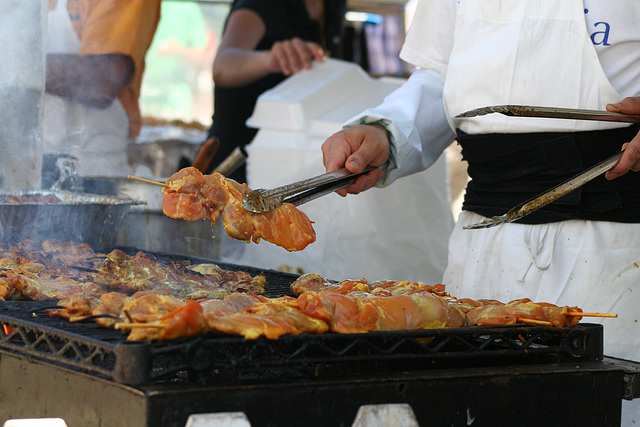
(91, 317)
(535, 322)
(138, 325)
(148, 181)
(577, 313)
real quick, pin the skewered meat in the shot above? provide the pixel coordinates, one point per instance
(43, 287)
(315, 282)
(312, 282)
(141, 272)
(352, 313)
(150, 300)
(192, 196)
(50, 253)
(354, 306)
(146, 307)
(147, 316)
(351, 306)
(150, 316)
(184, 321)
(76, 307)
(7, 290)
(519, 311)
(233, 303)
(272, 318)
(231, 280)
(40, 271)
(110, 310)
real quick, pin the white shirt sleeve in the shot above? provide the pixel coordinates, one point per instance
(415, 118)
(414, 114)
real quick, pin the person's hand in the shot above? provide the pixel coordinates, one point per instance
(631, 158)
(294, 55)
(356, 148)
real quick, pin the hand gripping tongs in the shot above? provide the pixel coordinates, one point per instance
(555, 193)
(300, 192)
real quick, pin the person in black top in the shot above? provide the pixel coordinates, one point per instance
(264, 42)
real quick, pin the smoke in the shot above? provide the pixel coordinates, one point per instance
(22, 80)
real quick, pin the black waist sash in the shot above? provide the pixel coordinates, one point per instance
(508, 169)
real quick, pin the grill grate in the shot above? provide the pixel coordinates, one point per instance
(224, 359)
(278, 282)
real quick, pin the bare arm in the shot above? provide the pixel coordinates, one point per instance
(93, 80)
(631, 158)
(238, 63)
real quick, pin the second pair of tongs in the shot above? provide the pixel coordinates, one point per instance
(551, 113)
(549, 196)
(300, 192)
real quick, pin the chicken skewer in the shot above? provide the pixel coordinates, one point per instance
(192, 196)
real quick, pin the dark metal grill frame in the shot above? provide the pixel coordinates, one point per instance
(215, 358)
(52, 366)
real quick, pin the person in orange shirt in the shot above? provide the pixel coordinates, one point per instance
(94, 68)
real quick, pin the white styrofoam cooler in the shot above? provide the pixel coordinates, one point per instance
(400, 232)
(293, 104)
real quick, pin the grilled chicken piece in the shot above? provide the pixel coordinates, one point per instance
(193, 196)
(234, 303)
(75, 308)
(353, 313)
(519, 311)
(141, 272)
(185, 321)
(352, 306)
(43, 287)
(272, 318)
(109, 312)
(312, 282)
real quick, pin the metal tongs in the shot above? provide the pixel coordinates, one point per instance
(525, 208)
(551, 113)
(300, 192)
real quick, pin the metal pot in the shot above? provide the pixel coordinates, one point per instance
(166, 149)
(146, 227)
(66, 216)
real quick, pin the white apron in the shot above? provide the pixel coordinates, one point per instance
(541, 44)
(96, 137)
(595, 265)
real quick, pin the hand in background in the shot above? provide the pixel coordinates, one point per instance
(239, 63)
(291, 56)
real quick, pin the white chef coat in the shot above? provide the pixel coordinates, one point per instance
(532, 52)
(96, 137)
(415, 114)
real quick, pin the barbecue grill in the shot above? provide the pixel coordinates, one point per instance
(508, 375)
